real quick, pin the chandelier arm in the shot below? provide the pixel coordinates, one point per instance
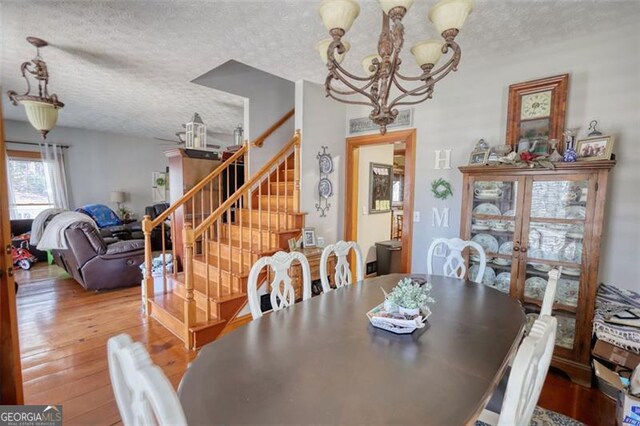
(402, 89)
(332, 96)
(330, 90)
(427, 96)
(332, 77)
(413, 92)
(353, 87)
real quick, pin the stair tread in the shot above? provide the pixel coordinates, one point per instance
(256, 227)
(236, 244)
(274, 211)
(179, 280)
(174, 306)
(224, 264)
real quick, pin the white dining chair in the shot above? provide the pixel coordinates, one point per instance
(527, 375)
(454, 265)
(143, 393)
(282, 292)
(342, 275)
(550, 291)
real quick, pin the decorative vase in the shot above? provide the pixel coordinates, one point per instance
(409, 311)
(570, 155)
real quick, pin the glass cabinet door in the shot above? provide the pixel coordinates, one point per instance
(493, 226)
(553, 237)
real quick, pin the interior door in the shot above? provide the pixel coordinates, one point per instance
(554, 232)
(10, 369)
(494, 222)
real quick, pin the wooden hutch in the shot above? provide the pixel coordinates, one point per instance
(531, 220)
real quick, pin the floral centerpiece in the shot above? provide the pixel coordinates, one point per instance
(409, 296)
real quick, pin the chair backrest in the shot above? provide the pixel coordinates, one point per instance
(550, 291)
(528, 372)
(454, 265)
(343, 271)
(143, 393)
(282, 293)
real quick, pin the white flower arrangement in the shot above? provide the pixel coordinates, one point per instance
(410, 295)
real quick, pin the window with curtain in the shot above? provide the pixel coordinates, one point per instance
(29, 188)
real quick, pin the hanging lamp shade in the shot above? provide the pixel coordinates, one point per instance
(339, 14)
(450, 14)
(43, 116)
(387, 5)
(427, 52)
(323, 46)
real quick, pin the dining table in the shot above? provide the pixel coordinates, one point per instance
(320, 361)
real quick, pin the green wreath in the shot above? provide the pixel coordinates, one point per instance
(160, 181)
(441, 189)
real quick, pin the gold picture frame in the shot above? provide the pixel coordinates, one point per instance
(479, 157)
(595, 148)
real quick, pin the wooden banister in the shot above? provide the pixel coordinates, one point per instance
(259, 141)
(197, 188)
(247, 186)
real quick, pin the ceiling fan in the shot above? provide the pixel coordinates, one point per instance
(178, 141)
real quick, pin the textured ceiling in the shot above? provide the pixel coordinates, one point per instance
(126, 66)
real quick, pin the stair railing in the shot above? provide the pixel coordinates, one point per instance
(239, 232)
(163, 234)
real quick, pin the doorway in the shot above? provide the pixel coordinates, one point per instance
(359, 153)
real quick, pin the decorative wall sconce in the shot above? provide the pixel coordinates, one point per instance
(42, 109)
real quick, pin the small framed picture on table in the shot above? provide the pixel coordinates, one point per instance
(595, 148)
(293, 244)
(479, 157)
(309, 237)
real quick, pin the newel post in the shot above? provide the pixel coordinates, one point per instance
(296, 172)
(189, 301)
(147, 280)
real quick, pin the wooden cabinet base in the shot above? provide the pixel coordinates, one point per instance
(578, 373)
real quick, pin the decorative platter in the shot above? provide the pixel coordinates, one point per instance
(325, 162)
(489, 275)
(567, 292)
(487, 241)
(503, 281)
(575, 212)
(534, 288)
(488, 209)
(325, 188)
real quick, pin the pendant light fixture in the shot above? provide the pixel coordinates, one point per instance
(42, 109)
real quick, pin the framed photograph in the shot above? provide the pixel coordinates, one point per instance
(309, 237)
(380, 187)
(293, 244)
(479, 157)
(537, 109)
(594, 148)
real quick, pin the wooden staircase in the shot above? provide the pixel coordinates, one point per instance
(198, 302)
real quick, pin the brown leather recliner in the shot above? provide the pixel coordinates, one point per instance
(96, 265)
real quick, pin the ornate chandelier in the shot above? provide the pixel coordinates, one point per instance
(42, 110)
(383, 69)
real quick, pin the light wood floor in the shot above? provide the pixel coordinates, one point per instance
(63, 334)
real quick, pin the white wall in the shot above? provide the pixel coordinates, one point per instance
(321, 121)
(98, 163)
(470, 104)
(376, 227)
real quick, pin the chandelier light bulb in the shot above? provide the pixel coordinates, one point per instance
(323, 46)
(450, 14)
(339, 14)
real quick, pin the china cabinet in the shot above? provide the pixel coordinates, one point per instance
(532, 220)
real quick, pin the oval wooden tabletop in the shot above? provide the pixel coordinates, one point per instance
(320, 361)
